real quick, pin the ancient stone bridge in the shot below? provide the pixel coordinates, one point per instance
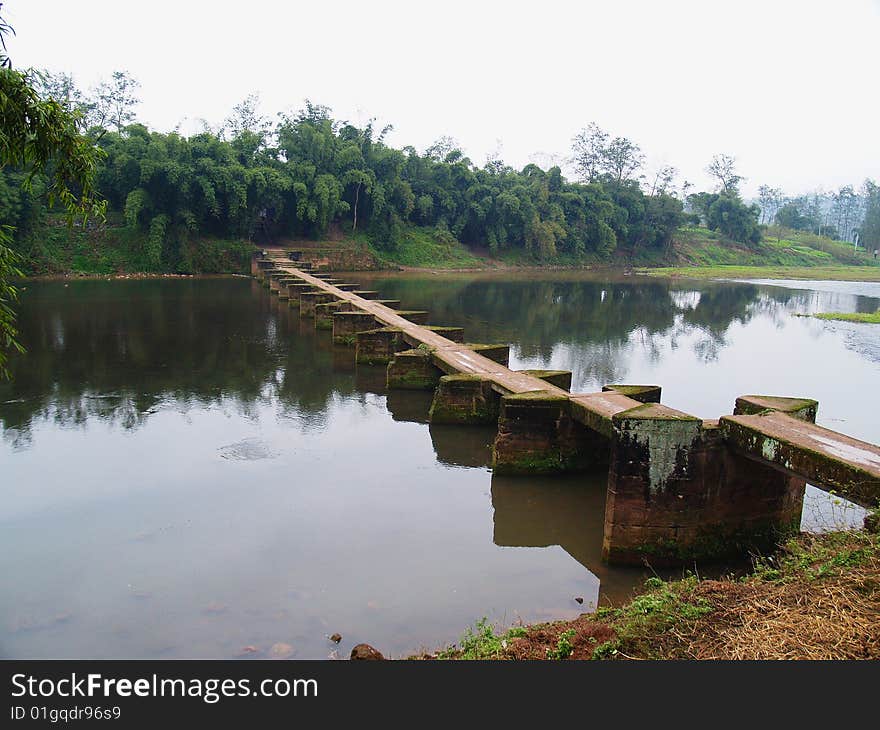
(679, 487)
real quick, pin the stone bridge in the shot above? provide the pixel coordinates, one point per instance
(680, 488)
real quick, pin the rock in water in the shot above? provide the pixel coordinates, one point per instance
(365, 652)
(336, 638)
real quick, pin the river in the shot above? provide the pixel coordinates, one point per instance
(190, 470)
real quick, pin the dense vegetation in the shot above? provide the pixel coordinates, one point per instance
(192, 204)
(314, 171)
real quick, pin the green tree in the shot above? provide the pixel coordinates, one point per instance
(38, 136)
(723, 169)
(869, 232)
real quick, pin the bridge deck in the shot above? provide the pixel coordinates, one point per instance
(818, 454)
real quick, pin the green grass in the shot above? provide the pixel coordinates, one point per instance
(865, 317)
(481, 642)
(112, 249)
(429, 248)
(817, 273)
(700, 247)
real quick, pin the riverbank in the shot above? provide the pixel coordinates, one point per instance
(111, 248)
(817, 598)
(806, 273)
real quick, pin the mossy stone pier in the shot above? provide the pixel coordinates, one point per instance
(680, 488)
(464, 399)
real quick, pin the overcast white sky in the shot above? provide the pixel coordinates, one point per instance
(789, 88)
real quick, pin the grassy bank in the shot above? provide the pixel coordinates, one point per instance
(817, 598)
(815, 273)
(428, 248)
(111, 248)
(864, 317)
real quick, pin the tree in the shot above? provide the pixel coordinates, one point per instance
(622, 158)
(595, 154)
(38, 135)
(246, 117)
(869, 232)
(112, 102)
(729, 215)
(770, 200)
(723, 168)
(664, 180)
(589, 149)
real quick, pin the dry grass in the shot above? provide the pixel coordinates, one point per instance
(818, 598)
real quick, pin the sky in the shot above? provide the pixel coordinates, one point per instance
(789, 88)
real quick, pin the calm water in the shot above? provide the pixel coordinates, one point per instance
(188, 470)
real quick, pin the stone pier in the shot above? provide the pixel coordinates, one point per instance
(677, 493)
(413, 370)
(295, 291)
(377, 346)
(453, 334)
(559, 378)
(464, 399)
(416, 316)
(309, 300)
(346, 326)
(536, 435)
(496, 352)
(324, 314)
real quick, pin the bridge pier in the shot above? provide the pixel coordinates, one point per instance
(295, 291)
(377, 346)
(308, 301)
(536, 435)
(496, 352)
(346, 326)
(453, 334)
(416, 316)
(413, 370)
(559, 378)
(464, 399)
(324, 314)
(677, 493)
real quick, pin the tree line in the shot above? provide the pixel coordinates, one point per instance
(309, 171)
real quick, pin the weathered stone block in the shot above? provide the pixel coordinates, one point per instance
(455, 334)
(366, 293)
(641, 393)
(559, 378)
(496, 352)
(676, 493)
(324, 314)
(308, 300)
(413, 370)
(464, 399)
(415, 316)
(390, 303)
(295, 291)
(346, 325)
(803, 408)
(377, 346)
(536, 435)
